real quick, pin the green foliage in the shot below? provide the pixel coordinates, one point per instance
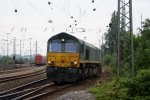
(125, 88)
(141, 47)
(142, 51)
(6, 60)
(140, 85)
(146, 25)
(110, 90)
(109, 60)
(103, 91)
(110, 36)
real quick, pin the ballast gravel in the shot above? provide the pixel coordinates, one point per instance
(77, 95)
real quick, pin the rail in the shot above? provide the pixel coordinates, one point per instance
(21, 90)
(20, 76)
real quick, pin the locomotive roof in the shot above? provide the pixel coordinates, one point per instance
(68, 36)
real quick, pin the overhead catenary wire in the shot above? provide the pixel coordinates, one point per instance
(84, 19)
(40, 13)
(64, 10)
(18, 17)
(50, 20)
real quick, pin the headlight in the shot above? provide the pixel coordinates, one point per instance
(49, 62)
(75, 62)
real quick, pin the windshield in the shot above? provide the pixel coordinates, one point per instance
(62, 47)
(70, 47)
(55, 47)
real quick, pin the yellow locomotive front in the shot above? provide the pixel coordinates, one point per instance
(62, 59)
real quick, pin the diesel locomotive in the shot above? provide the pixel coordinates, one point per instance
(70, 59)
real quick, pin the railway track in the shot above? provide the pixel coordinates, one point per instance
(12, 66)
(15, 77)
(15, 70)
(9, 68)
(32, 90)
(41, 91)
(43, 88)
(20, 90)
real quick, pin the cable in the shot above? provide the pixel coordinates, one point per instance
(4, 5)
(35, 9)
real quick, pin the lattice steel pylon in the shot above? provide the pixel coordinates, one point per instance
(125, 25)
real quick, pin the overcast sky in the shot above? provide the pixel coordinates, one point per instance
(40, 19)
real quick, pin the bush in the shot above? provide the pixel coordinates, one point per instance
(103, 91)
(124, 88)
(140, 85)
(6, 60)
(109, 60)
(110, 90)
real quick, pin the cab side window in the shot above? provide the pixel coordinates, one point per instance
(87, 54)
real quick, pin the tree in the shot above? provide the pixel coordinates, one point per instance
(6, 60)
(143, 51)
(110, 36)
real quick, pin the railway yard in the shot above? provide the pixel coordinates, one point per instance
(74, 50)
(31, 83)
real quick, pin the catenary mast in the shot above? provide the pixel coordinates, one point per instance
(125, 25)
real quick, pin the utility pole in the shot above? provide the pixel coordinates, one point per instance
(36, 48)
(102, 48)
(20, 52)
(3, 47)
(7, 45)
(141, 22)
(125, 22)
(14, 50)
(30, 52)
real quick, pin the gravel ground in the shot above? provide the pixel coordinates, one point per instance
(77, 95)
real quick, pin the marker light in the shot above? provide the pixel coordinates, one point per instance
(62, 40)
